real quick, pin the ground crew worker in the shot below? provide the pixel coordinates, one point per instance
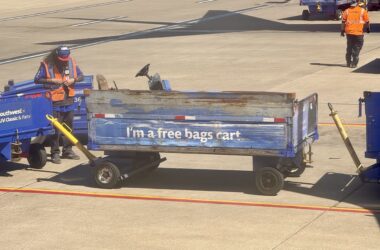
(354, 21)
(59, 72)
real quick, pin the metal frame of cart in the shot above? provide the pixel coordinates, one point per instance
(274, 128)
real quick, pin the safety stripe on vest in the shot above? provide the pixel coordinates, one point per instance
(71, 69)
(361, 16)
(361, 20)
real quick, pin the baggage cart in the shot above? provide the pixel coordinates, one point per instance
(324, 8)
(372, 112)
(80, 113)
(22, 123)
(275, 129)
(373, 5)
(369, 174)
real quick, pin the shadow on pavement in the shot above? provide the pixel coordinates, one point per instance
(372, 67)
(329, 64)
(333, 186)
(7, 167)
(213, 22)
(311, 18)
(169, 178)
(342, 188)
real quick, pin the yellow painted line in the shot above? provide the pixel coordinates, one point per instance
(190, 200)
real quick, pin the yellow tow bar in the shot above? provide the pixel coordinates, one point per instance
(66, 131)
(346, 139)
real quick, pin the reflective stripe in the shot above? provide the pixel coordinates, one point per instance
(184, 117)
(53, 73)
(354, 20)
(360, 21)
(265, 119)
(71, 71)
(361, 16)
(345, 15)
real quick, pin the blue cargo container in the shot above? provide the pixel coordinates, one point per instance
(372, 111)
(324, 8)
(273, 128)
(22, 119)
(80, 115)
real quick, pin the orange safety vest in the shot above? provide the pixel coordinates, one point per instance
(354, 19)
(52, 72)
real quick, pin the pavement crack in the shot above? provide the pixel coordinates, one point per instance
(320, 214)
(26, 185)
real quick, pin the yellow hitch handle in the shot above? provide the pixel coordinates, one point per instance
(63, 129)
(66, 131)
(346, 139)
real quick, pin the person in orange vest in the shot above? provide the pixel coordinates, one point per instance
(59, 72)
(354, 21)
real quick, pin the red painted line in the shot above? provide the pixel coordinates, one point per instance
(200, 201)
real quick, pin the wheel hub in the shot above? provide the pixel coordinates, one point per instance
(269, 180)
(105, 176)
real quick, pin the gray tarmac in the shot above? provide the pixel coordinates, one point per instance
(240, 45)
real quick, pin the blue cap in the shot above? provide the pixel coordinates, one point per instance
(63, 53)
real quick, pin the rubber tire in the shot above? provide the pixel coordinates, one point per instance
(114, 175)
(294, 167)
(268, 181)
(295, 172)
(338, 14)
(37, 156)
(305, 15)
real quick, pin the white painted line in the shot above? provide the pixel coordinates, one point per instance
(206, 1)
(143, 32)
(63, 10)
(97, 21)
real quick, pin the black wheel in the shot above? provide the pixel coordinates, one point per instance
(305, 15)
(107, 175)
(268, 181)
(37, 156)
(338, 14)
(294, 170)
(293, 167)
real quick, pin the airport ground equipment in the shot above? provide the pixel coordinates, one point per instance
(22, 123)
(273, 128)
(373, 5)
(106, 173)
(369, 174)
(80, 113)
(324, 8)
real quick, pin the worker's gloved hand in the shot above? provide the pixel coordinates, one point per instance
(56, 81)
(342, 33)
(368, 30)
(69, 82)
